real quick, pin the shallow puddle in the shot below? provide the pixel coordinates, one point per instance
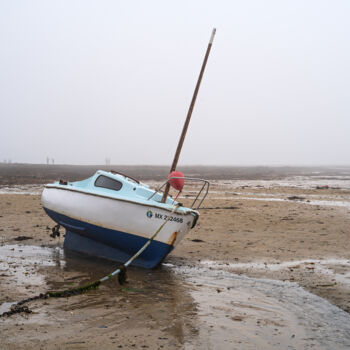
(5, 307)
(337, 270)
(22, 189)
(324, 202)
(21, 264)
(248, 313)
(300, 182)
(202, 306)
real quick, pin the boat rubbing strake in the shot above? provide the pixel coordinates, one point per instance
(112, 216)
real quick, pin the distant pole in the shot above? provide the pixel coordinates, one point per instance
(189, 113)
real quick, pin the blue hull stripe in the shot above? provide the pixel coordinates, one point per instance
(110, 244)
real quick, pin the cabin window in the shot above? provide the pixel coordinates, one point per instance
(107, 182)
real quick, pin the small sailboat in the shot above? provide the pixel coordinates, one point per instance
(112, 215)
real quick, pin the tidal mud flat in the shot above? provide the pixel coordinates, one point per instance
(268, 265)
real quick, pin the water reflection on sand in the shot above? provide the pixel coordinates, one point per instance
(202, 306)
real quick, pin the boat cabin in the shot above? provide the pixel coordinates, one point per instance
(116, 185)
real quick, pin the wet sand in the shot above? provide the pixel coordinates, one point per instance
(233, 282)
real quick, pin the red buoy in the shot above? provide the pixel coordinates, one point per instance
(178, 184)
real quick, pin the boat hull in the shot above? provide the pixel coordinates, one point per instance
(114, 229)
(109, 244)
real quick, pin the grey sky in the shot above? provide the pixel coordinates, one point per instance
(84, 80)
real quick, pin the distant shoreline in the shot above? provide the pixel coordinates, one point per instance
(14, 173)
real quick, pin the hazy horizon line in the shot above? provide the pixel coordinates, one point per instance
(182, 165)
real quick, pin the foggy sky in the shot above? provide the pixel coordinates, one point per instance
(84, 80)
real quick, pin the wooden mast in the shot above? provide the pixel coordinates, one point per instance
(189, 113)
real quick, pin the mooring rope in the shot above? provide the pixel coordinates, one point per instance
(120, 272)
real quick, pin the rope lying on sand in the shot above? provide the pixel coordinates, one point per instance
(120, 272)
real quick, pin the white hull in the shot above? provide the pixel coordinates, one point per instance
(118, 215)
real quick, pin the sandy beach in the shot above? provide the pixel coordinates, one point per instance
(102, 103)
(277, 227)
